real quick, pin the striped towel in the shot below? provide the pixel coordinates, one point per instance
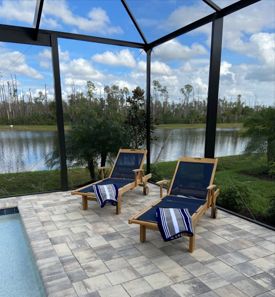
(106, 193)
(174, 222)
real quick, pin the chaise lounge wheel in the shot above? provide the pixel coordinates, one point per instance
(214, 212)
(145, 190)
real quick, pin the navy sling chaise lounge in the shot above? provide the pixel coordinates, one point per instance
(191, 187)
(126, 174)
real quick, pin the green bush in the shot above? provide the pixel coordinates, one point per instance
(235, 197)
(271, 170)
(271, 212)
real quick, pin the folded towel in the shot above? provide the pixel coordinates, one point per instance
(106, 193)
(174, 222)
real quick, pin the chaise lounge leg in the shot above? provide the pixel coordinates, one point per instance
(192, 243)
(214, 211)
(84, 203)
(118, 207)
(142, 233)
(145, 188)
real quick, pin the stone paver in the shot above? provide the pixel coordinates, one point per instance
(96, 253)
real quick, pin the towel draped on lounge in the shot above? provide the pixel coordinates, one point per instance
(174, 222)
(105, 194)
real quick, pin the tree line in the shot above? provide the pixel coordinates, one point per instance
(30, 109)
(100, 125)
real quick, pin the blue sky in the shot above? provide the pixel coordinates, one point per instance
(248, 57)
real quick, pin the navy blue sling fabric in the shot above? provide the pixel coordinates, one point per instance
(125, 165)
(192, 179)
(172, 202)
(119, 182)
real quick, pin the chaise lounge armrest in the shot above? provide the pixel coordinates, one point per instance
(138, 175)
(211, 187)
(140, 178)
(161, 183)
(213, 193)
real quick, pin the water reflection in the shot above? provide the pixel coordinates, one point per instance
(175, 143)
(26, 150)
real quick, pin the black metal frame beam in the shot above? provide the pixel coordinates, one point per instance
(134, 21)
(212, 5)
(103, 40)
(148, 109)
(37, 16)
(25, 35)
(59, 114)
(203, 21)
(213, 87)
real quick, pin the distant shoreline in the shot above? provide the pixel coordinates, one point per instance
(162, 126)
(194, 126)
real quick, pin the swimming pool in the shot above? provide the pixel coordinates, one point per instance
(18, 273)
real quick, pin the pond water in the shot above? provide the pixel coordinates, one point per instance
(174, 143)
(26, 150)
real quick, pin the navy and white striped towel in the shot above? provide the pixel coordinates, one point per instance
(174, 222)
(106, 193)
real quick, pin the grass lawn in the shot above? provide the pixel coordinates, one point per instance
(192, 126)
(163, 126)
(13, 184)
(30, 128)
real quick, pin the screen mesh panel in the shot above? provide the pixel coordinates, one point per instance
(125, 165)
(192, 179)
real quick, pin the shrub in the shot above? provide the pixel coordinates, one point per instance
(271, 170)
(271, 212)
(235, 197)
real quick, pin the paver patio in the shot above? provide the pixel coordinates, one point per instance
(97, 253)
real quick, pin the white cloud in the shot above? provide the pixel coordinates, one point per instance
(45, 57)
(19, 10)
(226, 73)
(51, 23)
(58, 13)
(186, 14)
(96, 21)
(237, 26)
(121, 58)
(173, 50)
(80, 69)
(157, 67)
(264, 47)
(14, 62)
(253, 82)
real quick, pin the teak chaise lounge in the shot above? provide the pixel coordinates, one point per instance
(126, 174)
(191, 187)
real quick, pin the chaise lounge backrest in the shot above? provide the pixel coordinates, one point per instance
(128, 160)
(193, 176)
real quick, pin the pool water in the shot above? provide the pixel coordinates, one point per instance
(18, 273)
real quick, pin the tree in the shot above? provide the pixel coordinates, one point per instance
(97, 128)
(136, 118)
(186, 91)
(261, 130)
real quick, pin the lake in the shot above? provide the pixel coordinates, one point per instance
(26, 150)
